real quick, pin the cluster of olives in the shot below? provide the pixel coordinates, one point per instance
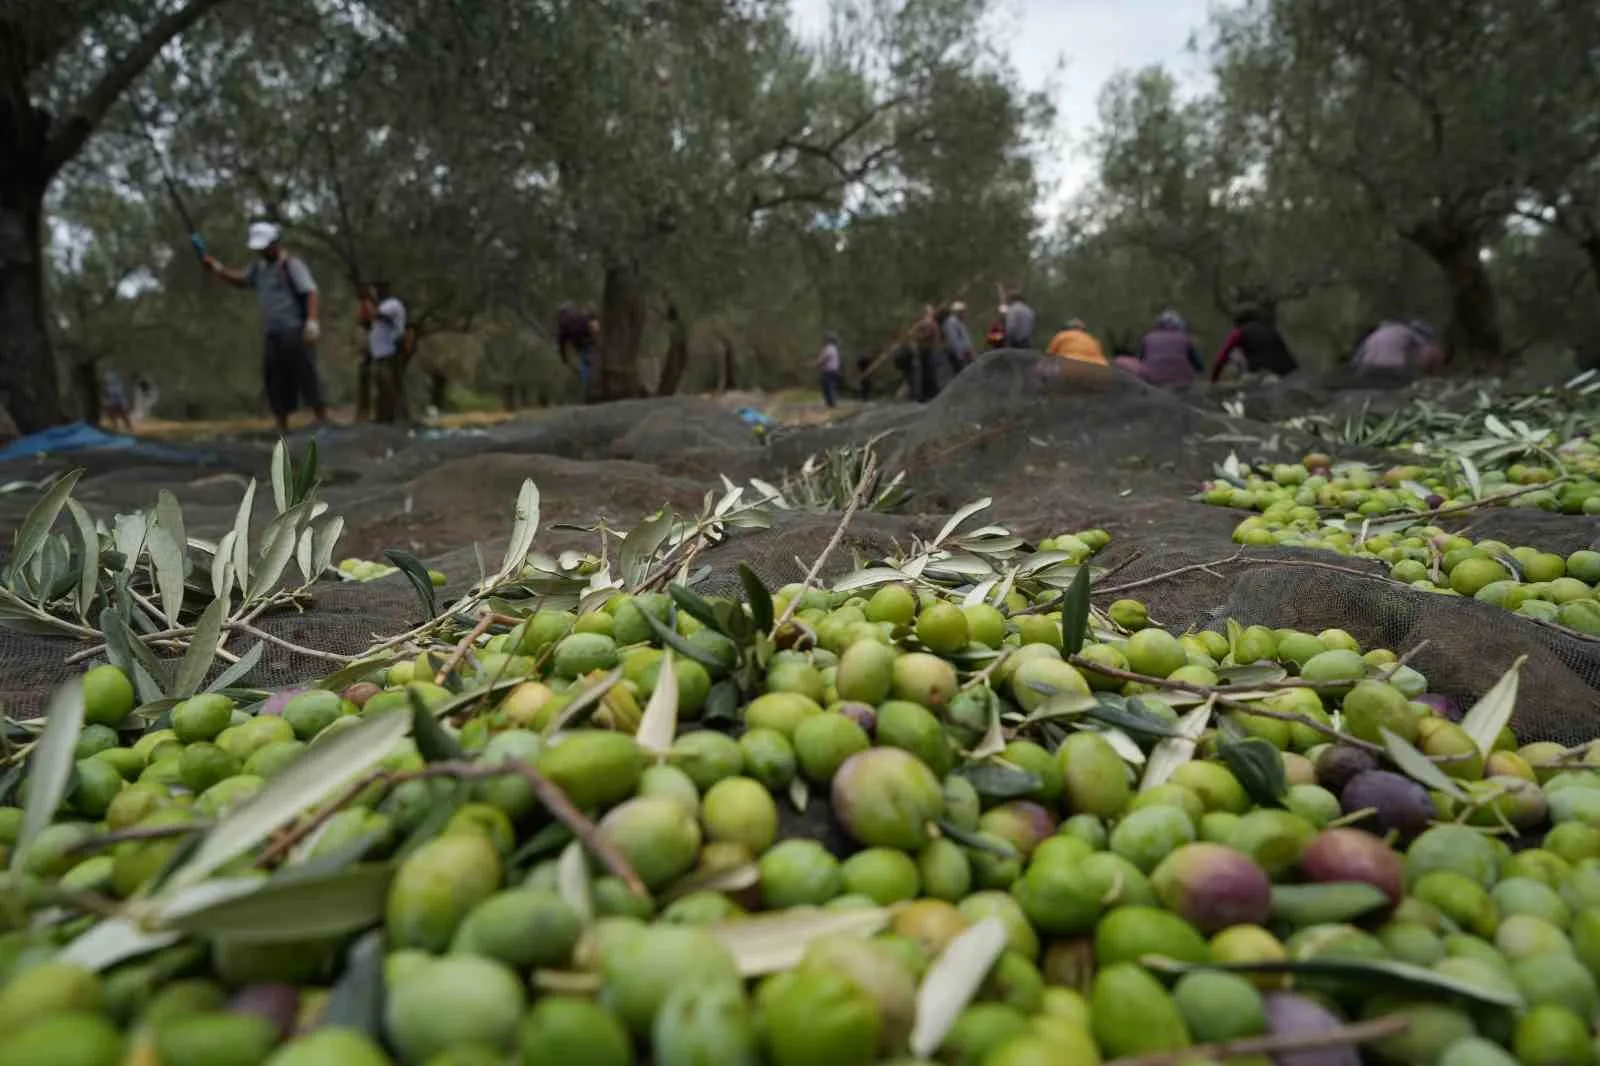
(1317, 482)
(1532, 583)
(368, 570)
(1157, 891)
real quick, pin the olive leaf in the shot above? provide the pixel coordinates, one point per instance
(321, 771)
(51, 764)
(1075, 613)
(994, 737)
(969, 839)
(357, 998)
(1119, 713)
(1418, 766)
(799, 793)
(241, 538)
(769, 943)
(1174, 751)
(36, 524)
(282, 535)
(584, 702)
(114, 940)
(861, 579)
(294, 907)
(639, 547)
(722, 704)
(736, 879)
(696, 606)
(952, 981)
(1329, 902)
(202, 650)
(434, 742)
(1492, 713)
(675, 640)
(572, 882)
(239, 670)
(166, 556)
(524, 528)
(305, 474)
(1364, 971)
(999, 780)
(417, 574)
(659, 725)
(1258, 766)
(959, 517)
(281, 474)
(130, 654)
(552, 837)
(89, 561)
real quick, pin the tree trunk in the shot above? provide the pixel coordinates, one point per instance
(86, 384)
(1588, 350)
(726, 378)
(622, 310)
(1473, 338)
(29, 384)
(677, 360)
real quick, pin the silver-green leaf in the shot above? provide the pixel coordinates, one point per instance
(50, 765)
(36, 525)
(523, 529)
(202, 651)
(321, 771)
(1492, 713)
(295, 907)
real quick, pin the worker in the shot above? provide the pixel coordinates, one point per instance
(957, 341)
(1019, 322)
(1167, 355)
(289, 303)
(1075, 342)
(1254, 347)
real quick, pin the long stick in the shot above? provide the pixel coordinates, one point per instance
(170, 181)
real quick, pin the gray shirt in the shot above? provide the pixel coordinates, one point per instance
(956, 340)
(277, 285)
(1019, 325)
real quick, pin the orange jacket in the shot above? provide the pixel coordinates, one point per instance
(1079, 345)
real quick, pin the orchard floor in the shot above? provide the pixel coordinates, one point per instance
(1055, 447)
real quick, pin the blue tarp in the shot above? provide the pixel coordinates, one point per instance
(80, 436)
(756, 419)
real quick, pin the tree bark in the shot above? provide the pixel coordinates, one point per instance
(1473, 339)
(30, 386)
(622, 311)
(677, 360)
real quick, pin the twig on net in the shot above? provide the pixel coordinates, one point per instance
(868, 470)
(1155, 578)
(298, 649)
(1344, 1036)
(1405, 660)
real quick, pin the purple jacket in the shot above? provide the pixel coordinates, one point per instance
(1168, 357)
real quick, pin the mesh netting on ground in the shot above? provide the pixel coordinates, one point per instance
(1057, 446)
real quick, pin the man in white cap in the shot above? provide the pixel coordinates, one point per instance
(289, 302)
(957, 341)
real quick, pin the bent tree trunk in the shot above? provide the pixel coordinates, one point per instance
(1473, 339)
(677, 361)
(622, 309)
(29, 385)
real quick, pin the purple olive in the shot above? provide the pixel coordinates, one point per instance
(276, 702)
(862, 714)
(1292, 1015)
(278, 1004)
(1444, 706)
(1398, 803)
(1338, 763)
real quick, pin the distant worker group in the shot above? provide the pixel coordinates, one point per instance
(1166, 356)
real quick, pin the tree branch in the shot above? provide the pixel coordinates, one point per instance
(76, 126)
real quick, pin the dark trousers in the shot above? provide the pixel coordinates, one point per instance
(387, 401)
(927, 375)
(289, 371)
(830, 386)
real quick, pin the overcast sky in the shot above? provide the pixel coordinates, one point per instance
(1073, 46)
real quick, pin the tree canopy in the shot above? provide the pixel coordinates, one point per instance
(722, 190)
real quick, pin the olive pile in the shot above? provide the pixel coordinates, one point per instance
(1035, 839)
(1295, 503)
